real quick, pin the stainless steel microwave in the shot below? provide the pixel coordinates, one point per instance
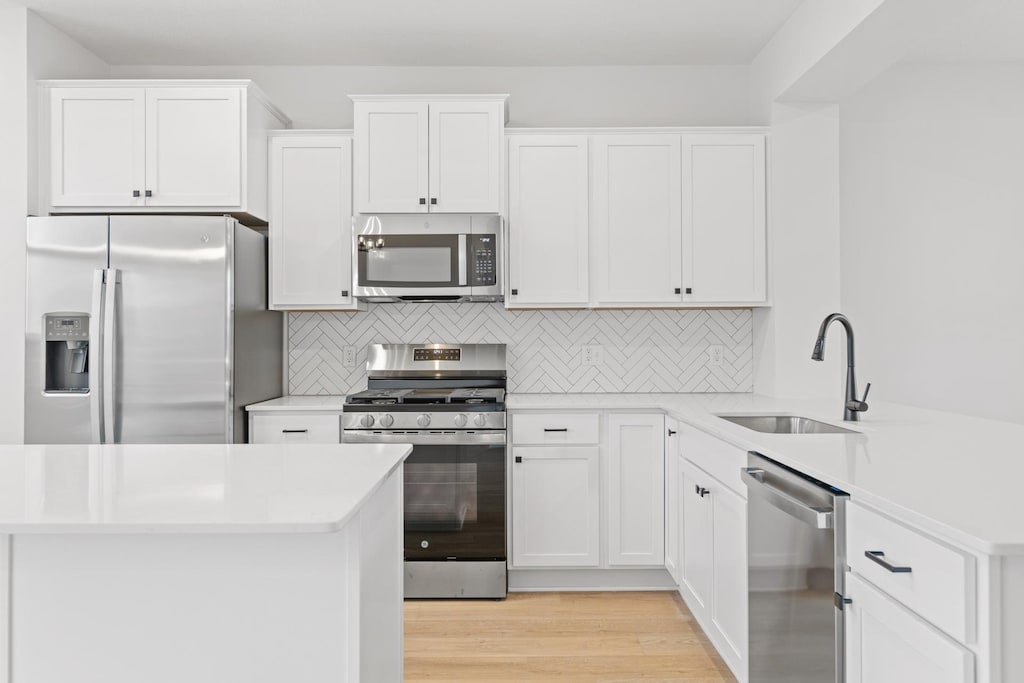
(405, 257)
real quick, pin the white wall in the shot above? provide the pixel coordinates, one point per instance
(316, 96)
(933, 236)
(804, 254)
(13, 206)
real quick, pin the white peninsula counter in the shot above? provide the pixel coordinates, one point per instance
(206, 564)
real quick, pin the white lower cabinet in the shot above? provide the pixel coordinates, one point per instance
(635, 467)
(712, 538)
(886, 643)
(555, 506)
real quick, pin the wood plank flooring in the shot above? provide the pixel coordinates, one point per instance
(570, 637)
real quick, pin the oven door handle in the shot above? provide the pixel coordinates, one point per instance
(425, 438)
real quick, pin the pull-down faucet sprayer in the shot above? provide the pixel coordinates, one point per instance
(852, 407)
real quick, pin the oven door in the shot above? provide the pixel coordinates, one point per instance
(390, 265)
(455, 502)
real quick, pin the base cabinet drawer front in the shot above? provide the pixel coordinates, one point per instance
(554, 428)
(555, 506)
(295, 429)
(886, 643)
(929, 577)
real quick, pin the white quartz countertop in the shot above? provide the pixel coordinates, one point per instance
(307, 404)
(189, 488)
(956, 476)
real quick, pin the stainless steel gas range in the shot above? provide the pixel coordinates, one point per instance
(447, 400)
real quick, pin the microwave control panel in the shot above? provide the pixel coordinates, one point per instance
(484, 262)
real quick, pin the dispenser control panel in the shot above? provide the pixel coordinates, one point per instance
(67, 327)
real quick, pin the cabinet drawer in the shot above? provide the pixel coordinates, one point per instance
(555, 428)
(295, 429)
(940, 584)
(721, 460)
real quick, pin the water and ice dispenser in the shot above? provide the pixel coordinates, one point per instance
(67, 352)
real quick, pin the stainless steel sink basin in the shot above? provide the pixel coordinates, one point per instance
(785, 424)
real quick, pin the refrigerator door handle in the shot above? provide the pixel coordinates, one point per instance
(96, 362)
(110, 353)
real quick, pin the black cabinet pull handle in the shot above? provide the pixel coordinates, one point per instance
(294, 431)
(519, 458)
(136, 193)
(671, 432)
(700, 490)
(433, 200)
(878, 557)
(423, 200)
(560, 429)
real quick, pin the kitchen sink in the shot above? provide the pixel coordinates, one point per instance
(785, 424)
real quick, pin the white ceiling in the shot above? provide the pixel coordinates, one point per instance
(990, 31)
(420, 32)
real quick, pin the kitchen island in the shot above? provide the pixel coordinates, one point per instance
(201, 563)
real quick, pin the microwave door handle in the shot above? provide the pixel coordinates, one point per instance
(463, 260)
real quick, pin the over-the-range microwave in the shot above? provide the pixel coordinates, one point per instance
(415, 257)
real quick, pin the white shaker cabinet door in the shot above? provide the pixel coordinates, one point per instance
(549, 223)
(465, 156)
(697, 539)
(636, 490)
(886, 643)
(391, 154)
(311, 222)
(723, 182)
(555, 506)
(194, 146)
(729, 593)
(97, 146)
(636, 197)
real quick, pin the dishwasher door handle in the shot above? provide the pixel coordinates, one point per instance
(818, 517)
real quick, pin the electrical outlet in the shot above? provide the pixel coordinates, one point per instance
(716, 354)
(592, 354)
(348, 358)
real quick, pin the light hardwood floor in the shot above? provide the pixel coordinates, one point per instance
(570, 637)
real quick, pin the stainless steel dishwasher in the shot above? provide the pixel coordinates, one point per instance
(796, 561)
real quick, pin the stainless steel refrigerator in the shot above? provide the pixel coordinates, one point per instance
(146, 329)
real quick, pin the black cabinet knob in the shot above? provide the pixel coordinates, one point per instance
(677, 290)
(423, 200)
(136, 193)
(689, 290)
(519, 458)
(514, 292)
(433, 200)
(149, 193)
(344, 292)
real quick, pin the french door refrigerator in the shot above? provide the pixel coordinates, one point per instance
(146, 329)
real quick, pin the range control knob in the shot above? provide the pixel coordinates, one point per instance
(386, 420)
(366, 421)
(480, 420)
(423, 420)
(461, 420)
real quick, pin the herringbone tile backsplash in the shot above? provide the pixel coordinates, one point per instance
(644, 350)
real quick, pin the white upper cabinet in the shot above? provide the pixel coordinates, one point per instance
(548, 221)
(98, 140)
(723, 182)
(156, 146)
(194, 146)
(311, 221)
(636, 204)
(391, 157)
(438, 154)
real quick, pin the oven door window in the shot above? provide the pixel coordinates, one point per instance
(455, 503)
(410, 261)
